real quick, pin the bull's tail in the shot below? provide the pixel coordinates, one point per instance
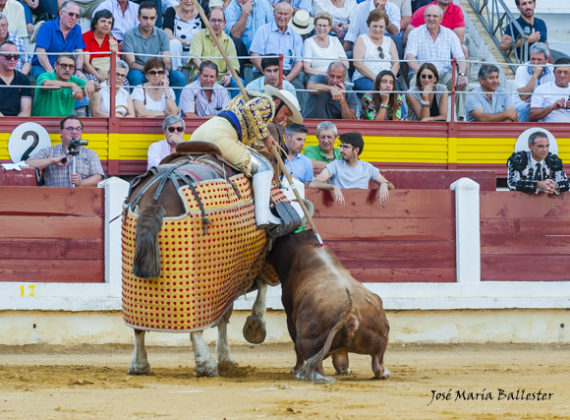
(308, 370)
(146, 262)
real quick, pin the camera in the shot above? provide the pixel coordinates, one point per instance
(73, 148)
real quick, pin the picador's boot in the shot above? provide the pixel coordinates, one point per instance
(261, 192)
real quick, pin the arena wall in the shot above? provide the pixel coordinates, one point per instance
(430, 254)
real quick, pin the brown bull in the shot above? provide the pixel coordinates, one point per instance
(328, 311)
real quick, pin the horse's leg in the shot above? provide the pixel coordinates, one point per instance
(254, 328)
(205, 365)
(222, 346)
(139, 362)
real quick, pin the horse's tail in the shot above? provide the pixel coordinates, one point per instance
(146, 262)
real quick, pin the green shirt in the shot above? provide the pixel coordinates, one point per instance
(315, 153)
(54, 103)
(203, 46)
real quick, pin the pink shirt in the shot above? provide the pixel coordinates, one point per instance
(452, 18)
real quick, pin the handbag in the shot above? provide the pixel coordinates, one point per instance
(103, 64)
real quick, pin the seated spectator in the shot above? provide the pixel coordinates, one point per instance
(98, 41)
(181, 22)
(146, 39)
(382, 106)
(173, 127)
(56, 36)
(453, 18)
(528, 77)
(204, 97)
(339, 10)
(297, 164)
(58, 165)
(325, 151)
(537, 170)
(100, 102)
(489, 102)
(13, 101)
(60, 89)
(243, 20)
(359, 17)
(549, 101)
(405, 7)
(297, 5)
(350, 172)
(44, 10)
(427, 100)
(125, 16)
(270, 69)
(537, 31)
(203, 46)
(16, 17)
(435, 43)
(278, 37)
(23, 65)
(416, 4)
(378, 52)
(328, 96)
(322, 49)
(155, 98)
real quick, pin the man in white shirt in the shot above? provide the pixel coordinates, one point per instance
(173, 127)
(528, 77)
(125, 14)
(270, 68)
(204, 97)
(550, 101)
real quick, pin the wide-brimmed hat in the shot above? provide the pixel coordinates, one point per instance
(302, 22)
(290, 101)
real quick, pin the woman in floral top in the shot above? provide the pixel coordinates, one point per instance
(382, 106)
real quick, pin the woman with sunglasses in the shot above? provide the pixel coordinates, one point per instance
(100, 102)
(322, 49)
(98, 43)
(173, 127)
(382, 106)
(155, 97)
(427, 100)
(376, 50)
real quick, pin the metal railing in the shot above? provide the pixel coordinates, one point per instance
(496, 17)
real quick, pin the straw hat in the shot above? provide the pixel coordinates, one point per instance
(290, 101)
(302, 22)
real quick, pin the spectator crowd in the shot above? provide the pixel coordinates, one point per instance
(341, 59)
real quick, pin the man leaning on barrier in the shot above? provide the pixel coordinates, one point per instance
(69, 163)
(537, 170)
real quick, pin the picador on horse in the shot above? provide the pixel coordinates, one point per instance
(192, 239)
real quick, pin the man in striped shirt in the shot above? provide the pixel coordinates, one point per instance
(204, 97)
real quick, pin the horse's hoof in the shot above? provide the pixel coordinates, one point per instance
(208, 369)
(314, 377)
(139, 370)
(254, 329)
(344, 372)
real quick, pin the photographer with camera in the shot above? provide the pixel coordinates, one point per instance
(69, 163)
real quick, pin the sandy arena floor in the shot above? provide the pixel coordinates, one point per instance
(90, 382)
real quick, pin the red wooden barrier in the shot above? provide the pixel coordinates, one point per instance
(52, 234)
(525, 237)
(411, 238)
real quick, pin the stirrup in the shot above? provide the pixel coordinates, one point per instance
(290, 220)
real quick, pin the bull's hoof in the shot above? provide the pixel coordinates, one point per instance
(139, 370)
(208, 369)
(254, 329)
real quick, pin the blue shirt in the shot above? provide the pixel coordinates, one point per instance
(357, 176)
(478, 100)
(269, 40)
(302, 167)
(262, 14)
(298, 4)
(50, 38)
(538, 26)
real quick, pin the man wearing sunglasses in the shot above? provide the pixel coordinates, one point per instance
(61, 35)
(13, 101)
(173, 127)
(60, 89)
(81, 168)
